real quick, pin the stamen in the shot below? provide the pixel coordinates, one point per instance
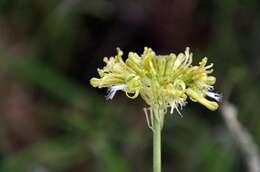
(119, 87)
(183, 103)
(215, 96)
(179, 112)
(111, 95)
(114, 89)
(177, 102)
(172, 107)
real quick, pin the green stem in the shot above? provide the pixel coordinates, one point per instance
(156, 142)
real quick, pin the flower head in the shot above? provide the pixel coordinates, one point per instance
(163, 80)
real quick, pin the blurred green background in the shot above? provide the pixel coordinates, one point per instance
(52, 120)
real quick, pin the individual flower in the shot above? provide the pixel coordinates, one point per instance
(166, 81)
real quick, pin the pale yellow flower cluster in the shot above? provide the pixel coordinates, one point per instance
(161, 80)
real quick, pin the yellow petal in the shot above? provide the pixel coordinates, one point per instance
(94, 82)
(201, 99)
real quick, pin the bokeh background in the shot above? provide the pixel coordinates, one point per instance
(52, 120)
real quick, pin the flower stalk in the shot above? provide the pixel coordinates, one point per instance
(157, 128)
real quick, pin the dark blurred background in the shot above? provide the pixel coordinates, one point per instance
(52, 120)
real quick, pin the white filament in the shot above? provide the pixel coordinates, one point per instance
(177, 102)
(114, 89)
(215, 96)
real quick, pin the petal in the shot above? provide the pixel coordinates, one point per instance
(201, 99)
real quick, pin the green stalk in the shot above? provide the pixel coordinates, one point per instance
(156, 142)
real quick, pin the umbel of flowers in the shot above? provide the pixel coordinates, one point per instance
(163, 81)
